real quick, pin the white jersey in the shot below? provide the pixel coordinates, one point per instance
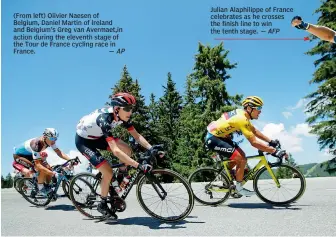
(99, 123)
(32, 147)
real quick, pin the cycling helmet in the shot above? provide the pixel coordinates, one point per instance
(253, 101)
(51, 133)
(123, 99)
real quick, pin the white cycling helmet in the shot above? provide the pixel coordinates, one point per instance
(51, 133)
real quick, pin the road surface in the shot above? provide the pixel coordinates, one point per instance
(313, 214)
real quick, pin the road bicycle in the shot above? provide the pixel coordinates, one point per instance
(213, 186)
(158, 183)
(29, 189)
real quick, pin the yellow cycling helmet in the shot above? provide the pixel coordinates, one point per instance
(253, 101)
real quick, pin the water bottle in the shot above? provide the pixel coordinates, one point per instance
(124, 183)
(115, 183)
(116, 187)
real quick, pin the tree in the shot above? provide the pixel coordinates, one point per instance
(169, 109)
(206, 99)
(153, 121)
(140, 115)
(8, 182)
(322, 105)
(2, 181)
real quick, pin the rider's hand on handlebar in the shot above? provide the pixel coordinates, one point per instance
(280, 153)
(274, 143)
(161, 154)
(145, 168)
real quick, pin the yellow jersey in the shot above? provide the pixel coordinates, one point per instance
(230, 122)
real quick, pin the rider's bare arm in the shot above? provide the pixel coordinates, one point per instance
(140, 139)
(322, 32)
(41, 168)
(120, 154)
(260, 145)
(259, 135)
(62, 154)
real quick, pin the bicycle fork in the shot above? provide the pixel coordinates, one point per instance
(156, 185)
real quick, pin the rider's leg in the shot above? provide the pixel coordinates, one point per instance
(19, 167)
(43, 172)
(89, 149)
(240, 158)
(228, 148)
(23, 164)
(125, 148)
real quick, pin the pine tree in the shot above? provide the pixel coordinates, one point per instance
(206, 99)
(153, 121)
(2, 182)
(140, 115)
(169, 109)
(322, 107)
(9, 181)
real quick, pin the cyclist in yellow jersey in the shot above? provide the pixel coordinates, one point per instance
(219, 137)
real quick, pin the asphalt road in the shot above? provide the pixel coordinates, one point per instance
(313, 214)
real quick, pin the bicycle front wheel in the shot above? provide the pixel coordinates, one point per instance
(163, 187)
(84, 190)
(210, 186)
(292, 185)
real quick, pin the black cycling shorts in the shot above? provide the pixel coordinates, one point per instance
(89, 148)
(225, 147)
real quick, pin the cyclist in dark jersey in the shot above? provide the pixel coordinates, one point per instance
(95, 131)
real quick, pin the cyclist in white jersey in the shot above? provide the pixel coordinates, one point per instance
(31, 154)
(95, 131)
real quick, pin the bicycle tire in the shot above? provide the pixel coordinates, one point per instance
(27, 198)
(295, 198)
(176, 176)
(65, 187)
(16, 184)
(216, 171)
(78, 205)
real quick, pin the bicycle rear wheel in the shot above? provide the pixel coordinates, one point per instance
(292, 185)
(210, 186)
(160, 185)
(84, 191)
(16, 184)
(28, 190)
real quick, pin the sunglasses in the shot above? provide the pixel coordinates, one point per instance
(259, 108)
(52, 138)
(128, 108)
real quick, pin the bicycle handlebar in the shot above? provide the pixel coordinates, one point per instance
(57, 167)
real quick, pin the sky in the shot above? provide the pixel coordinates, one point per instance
(57, 86)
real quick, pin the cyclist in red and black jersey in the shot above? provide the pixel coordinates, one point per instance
(95, 131)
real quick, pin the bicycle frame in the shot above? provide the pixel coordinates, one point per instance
(129, 186)
(263, 162)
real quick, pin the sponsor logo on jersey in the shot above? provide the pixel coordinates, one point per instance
(230, 150)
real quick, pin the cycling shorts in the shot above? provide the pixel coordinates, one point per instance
(227, 148)
(89, 149)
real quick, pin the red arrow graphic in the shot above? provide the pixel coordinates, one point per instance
(304, 39)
